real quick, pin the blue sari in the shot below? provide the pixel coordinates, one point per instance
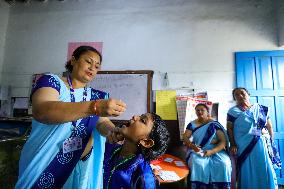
(254, 167)
(213, 171)
(133, 172)
(43, 163)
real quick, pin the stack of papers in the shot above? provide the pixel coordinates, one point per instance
(169, 175)
(169, 160)
(156, 167)
(179, 163)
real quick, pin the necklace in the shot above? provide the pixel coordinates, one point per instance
(72, 96)
(123, 161)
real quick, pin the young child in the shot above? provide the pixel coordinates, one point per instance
(127, 166)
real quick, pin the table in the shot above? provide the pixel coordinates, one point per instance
(17, 125)
(12, 139)
(169, 162)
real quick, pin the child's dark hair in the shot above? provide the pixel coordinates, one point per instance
(239, 88)
(204, 105)
(78, 52)
(161, 138)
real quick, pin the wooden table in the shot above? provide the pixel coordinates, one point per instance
(170, 165)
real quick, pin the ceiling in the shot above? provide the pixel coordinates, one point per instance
(12, 2)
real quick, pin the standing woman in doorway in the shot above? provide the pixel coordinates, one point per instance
(65, 148)
(246, 124)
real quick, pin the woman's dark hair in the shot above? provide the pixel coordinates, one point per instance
(239, 88)
(161, 137)
(204, 105)
(78, 52)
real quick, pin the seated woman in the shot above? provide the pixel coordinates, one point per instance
(209, 163)
(127, 166)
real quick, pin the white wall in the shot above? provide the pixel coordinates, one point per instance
(4, 16)
(193, 41)
(281, 22)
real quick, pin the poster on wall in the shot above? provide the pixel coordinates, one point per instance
(166, 104)
(73, 45)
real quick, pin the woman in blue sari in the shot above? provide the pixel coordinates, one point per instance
(65, 148)
(246, 125)
(208, 160)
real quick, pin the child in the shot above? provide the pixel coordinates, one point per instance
(127, 166)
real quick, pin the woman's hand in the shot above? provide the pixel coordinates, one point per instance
(270, 129)
(233, 149)
(193, 147)
(108, 107)
(115, 136)
(208, 153)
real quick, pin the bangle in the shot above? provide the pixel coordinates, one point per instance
(189, 144)
(96, 111)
